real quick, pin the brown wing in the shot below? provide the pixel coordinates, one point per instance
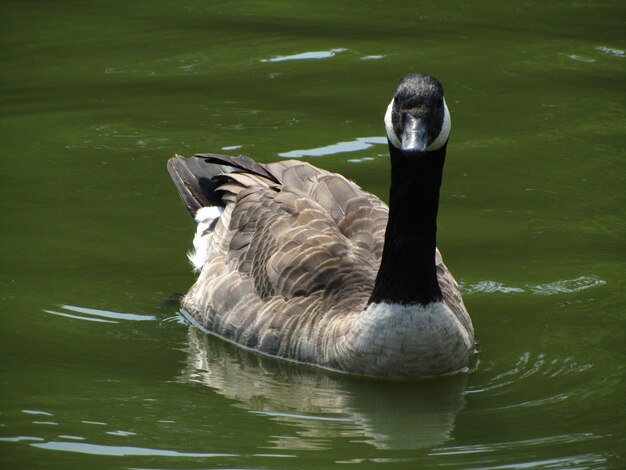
(452, 294)
(288, 249)
(306, 234)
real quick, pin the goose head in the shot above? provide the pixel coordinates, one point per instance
(417, 120)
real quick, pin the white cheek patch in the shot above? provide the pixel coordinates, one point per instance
(442, 138)
(439, 142)
(391, 135)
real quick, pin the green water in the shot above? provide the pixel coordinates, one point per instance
(97, 371)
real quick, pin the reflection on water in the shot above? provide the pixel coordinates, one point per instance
(321, 404)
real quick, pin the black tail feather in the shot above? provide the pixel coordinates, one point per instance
(194, 180)
(240, 163)
(197, 178)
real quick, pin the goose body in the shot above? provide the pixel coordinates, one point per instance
(296, 262)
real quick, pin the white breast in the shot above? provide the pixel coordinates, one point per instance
(392, 339)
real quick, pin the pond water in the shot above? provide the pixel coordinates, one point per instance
(97, 369)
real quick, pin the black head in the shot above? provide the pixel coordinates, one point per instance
(417, 119)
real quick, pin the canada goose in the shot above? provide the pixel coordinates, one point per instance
(300, 263)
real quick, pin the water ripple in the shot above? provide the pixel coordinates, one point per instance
(567, 286)
(564, 286)
(528, 366)
(37, 412)
(550, 440)
(489, 287)
(611, 51)
(569, 462)
(20, 439)
(493, 452)
(92, 314)
(71, 437)
(358, 144)
(312, 55)
(97, 449)
(276, 414)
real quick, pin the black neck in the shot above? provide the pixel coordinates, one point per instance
(408, 274)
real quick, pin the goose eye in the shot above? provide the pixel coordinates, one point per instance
(439, 103)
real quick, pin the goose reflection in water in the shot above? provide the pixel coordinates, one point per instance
(324, 405)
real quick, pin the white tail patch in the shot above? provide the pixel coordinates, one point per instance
(205, 218)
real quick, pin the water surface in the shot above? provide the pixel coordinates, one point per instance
(98, 370)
